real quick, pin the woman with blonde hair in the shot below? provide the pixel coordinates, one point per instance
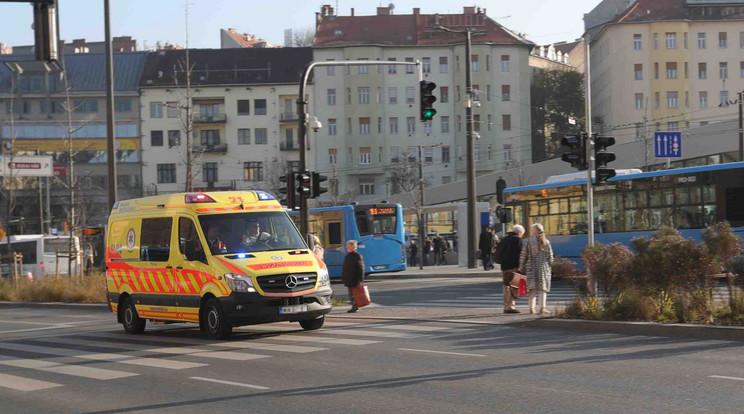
(534, 262)
(318, 248)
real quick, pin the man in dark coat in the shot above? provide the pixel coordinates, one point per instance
(414, 251)
(427, 249)
(509, 250)
(353, 271)
(439, 250)
(485, 243)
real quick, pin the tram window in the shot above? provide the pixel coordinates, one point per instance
(668, 196)
(555, 207)
(695, 196)
(335, 237)
(518, 214)
(534, 208)
(710, 215)
(689, 217)
(683, 196)
(654, 197)
(563, 205)
(577, 205)
(543, 207)
(734, 202)
(709, 194)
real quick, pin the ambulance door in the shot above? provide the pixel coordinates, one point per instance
(155, 278)
(191, 269)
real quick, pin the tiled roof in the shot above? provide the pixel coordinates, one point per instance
(227, 66)
(564, 47)
(656, 10)
(244, 40)
(411, 29)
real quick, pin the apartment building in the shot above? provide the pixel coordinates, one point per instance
(245, 128)
(664, 65)
(40, 126)
(371, 113)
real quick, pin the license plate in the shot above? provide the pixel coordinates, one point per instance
(379, 267)
(293, 309)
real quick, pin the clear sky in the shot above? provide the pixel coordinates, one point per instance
(149, 21)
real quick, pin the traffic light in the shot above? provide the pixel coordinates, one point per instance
(602, 158)
(317, 190)
(427, 100)
(303, 183)
(290, 199)
(574, 151)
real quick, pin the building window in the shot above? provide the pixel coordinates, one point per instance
(656, 41)
(672, 126)
(253, 171)
(741, 69)
(348, 96)
(86, 107)
(362, 69)
(476, 93)
(445, 154)
(428, 129)
(244, 136)
(331, 97)
(244, 107)
(476, 123)
(703, 99)
(488, 92)
(174, 138)
(394, 154)
(474, 63)
(723, 70)
(722, 40)
(410, 95)
(293, 166)
(426, 65)
(428, 155)
(123, 105)
(489, 122)
(741, 40)
(687, 99)
(505, 64)
(684, 40)
(445, 124)
(444, 94)
(672, 100)
(637, 45)
(330, 70)
(506, 122)
(656, 71)
(459, 123)
(506, 92)
(348, 126)
(365, 155)
(702, 70)
(260, 106)
(210, 137)
(262, 136)
(379, 125)
(446, 179)
(332, 126)
(639, 101)
(409, 68)
(476, 149)
(411, 125)
(490, 152)
(156, 138)
(657, 99)
(701, 40)
(507, 152)
(172, 109)
(156, 110)
(364, 126)
(671, 70)
(687, 71)
(724, 98)
(638, 69)
(166, 173)
(332, 156)
(366, 188)
(393, 95)
(488, 63)
(457, 93)
(363, 95)
(392, 69)
(443, 65)
(209, 172)
(393, 125)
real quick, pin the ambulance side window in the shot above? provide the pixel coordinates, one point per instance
(190, 245)
(155, 240)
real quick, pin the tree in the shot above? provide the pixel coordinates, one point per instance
(303, 37)
(556, 97)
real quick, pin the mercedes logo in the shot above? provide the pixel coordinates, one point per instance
(291, 281)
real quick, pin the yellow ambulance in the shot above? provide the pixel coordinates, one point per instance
(222, 259)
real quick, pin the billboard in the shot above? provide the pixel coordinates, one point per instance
(26, 166)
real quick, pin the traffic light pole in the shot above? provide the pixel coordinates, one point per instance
(302, 119)
(592, 282)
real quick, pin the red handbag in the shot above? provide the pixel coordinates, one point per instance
(361, 295)
(522, 287)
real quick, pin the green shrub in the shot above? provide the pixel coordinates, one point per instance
(632, 305)
(609, 265)
(562, 268)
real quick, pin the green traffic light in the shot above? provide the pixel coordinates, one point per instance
(429, 114)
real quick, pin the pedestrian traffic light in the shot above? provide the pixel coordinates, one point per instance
(574, 151)
(289, 199)
(602, 158)
(317, 190)
(303, 183)
(427, 100)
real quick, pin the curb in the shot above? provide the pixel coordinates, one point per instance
(414, 319)
(728, 333)
(55, 305)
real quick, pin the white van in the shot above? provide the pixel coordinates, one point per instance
(54, 244)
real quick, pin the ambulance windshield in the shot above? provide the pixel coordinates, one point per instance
(250, 232)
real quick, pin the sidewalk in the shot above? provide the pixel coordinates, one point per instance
(446, 271)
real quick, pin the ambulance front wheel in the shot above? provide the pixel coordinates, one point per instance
(133, 324)
(312, 324)
(213, 321)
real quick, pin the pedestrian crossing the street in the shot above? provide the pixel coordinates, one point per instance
(41, 363)
(560, 295)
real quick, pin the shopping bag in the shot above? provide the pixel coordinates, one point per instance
(361, 295)
(518, 283)
(522, 291)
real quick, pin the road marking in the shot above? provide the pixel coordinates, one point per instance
(321, 339)
(237, 384)
(440, 352)
(270, 347)
(74, 370)
(233, 356)
(366, 332)
(725, 377)
(413, 328)
(25, 384)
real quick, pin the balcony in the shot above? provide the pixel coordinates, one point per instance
(288, 117)
(289, 146)
(215, 148)
(210, 119)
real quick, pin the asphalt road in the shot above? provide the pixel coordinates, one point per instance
(74, 360)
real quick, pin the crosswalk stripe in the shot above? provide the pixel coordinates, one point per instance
(322, 340)
(233, 356)
(413, 328)
(366, 332)
(66, 369)
(123, 359)
(25, 384)
(270, 347)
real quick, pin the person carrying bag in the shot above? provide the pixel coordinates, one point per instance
(352, 276)
(534, 262)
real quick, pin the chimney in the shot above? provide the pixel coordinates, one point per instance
(326, 10)
(383, 11)
(416, 11)
(352, 12)
(468, 10)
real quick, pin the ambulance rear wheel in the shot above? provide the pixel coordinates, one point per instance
(312, 324)
(133, 324)
(215, 324)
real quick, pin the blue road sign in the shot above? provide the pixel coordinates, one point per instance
(668, 144)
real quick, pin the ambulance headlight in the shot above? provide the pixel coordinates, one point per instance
(239, 283)
(323, 278)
